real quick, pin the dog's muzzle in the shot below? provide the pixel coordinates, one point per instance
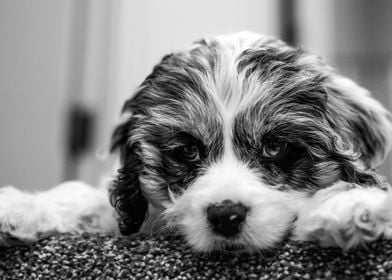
(227, 217)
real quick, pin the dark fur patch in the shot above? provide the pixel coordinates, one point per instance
(125, 192)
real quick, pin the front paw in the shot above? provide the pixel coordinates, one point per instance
(346, 215)
(23, 217)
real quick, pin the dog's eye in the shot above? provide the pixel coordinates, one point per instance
(282, 154)
(275, 149)
(189, 152)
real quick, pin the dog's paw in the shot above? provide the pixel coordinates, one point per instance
(69, 207)
(24, 218)
(346, 215)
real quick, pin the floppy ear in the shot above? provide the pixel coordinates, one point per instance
(359, 119)
(125, 192)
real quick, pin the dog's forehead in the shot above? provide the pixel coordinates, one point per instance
(248, 72)
(217, 80)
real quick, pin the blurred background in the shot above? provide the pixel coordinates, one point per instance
(66, 66)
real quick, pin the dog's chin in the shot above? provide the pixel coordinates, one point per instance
(230, 246)
(226, 245)
(237, 245)
(244, 242)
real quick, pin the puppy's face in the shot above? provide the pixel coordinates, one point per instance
(226, 140)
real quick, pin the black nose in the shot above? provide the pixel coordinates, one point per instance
(226, 218)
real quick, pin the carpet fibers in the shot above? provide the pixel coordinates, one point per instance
(103, 256)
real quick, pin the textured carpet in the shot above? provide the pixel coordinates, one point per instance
(98, 256)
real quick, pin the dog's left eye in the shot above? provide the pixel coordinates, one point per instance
(275, 149)
(190, 152)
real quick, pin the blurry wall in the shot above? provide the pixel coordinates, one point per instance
(33, 46)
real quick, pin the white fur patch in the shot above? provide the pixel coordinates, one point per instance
(71, 206)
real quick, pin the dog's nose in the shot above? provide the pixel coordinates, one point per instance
(226, 218)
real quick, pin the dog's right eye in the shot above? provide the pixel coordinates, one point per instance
(189, 152)
(187, 149)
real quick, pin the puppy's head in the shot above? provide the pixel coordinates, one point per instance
(224, 141)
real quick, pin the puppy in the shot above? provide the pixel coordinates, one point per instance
(235, 143)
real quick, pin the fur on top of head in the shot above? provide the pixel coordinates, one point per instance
(242, 118)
